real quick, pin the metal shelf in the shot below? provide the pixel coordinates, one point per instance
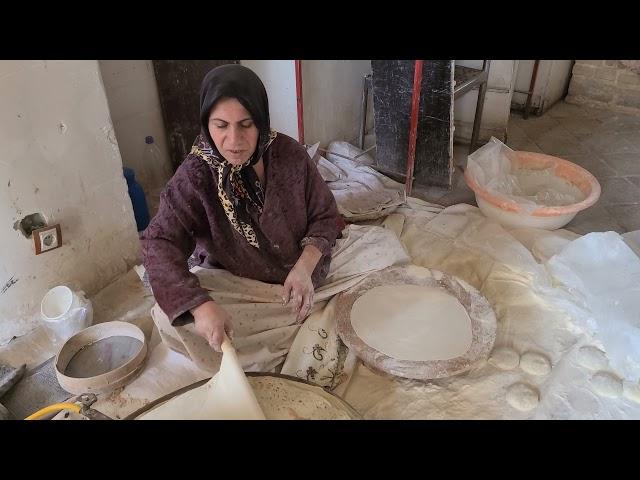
(466, 79)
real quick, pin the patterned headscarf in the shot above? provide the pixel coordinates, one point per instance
(238, 185)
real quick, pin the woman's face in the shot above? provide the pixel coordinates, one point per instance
(233, 131)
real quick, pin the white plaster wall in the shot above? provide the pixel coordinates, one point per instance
(59, 157)
(132, 94)
(331, 91)
(551, 83)
(495, 114)
(559, 77)
(523, 80)
(332, 94)
(279, 80)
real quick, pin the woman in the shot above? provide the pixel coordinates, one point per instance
(246, 199)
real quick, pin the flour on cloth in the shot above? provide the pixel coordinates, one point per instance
(510, 268)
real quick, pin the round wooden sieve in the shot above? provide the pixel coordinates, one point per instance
(101, 358)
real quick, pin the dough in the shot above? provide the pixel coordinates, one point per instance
(522, 397)
(592, 358)
(504, 358)
(535, 363)
(227, 396)
(631, 391)
(606, 384)
(410, 322)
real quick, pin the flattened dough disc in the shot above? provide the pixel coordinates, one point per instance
(414, 322)
(227, 396)
(411, 322)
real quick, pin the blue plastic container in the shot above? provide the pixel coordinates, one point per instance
(140, 208)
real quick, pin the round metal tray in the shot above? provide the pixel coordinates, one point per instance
(483, 323)
(320, 391)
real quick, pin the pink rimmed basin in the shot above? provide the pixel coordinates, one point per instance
(508, 213)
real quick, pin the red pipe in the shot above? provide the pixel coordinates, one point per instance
(298, 65)
(413, 125)
(532, 85)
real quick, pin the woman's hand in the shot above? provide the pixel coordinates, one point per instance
(298, 287)
(298, 292)
(211, 323)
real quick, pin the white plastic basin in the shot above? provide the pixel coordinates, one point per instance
(509, 213)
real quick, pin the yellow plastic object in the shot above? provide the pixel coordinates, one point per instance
(54, 408)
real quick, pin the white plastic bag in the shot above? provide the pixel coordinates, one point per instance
(494, 169)
(348, 150)
(328, 171)
(602, 274)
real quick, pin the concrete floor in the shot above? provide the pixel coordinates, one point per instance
(605, 143)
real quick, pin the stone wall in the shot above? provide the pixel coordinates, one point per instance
(611, 84)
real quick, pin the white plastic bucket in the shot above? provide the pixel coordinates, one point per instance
(65, 312)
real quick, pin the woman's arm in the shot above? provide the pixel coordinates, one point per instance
(167, 243)
(324, 224)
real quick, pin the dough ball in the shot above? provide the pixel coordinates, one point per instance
(606, 384)
(535, 363)
(523, 397)
(631, 391)
(592, 358)
(504, 358)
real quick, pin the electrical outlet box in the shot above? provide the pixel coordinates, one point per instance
(47, 238)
